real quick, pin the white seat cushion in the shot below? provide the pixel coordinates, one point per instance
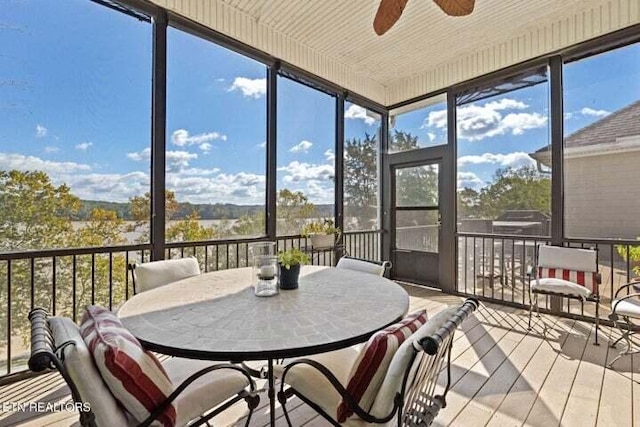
(83, 372)
(361, 265)
(628, 307)
(151, 275)
(205, 393)
(313, 385)
(560, 286)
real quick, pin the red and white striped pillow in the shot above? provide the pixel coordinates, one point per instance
(588, 279)
(370, 368)
(134, 376)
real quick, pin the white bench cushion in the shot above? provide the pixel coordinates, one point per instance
(206, 392)
(150, 275)
(629, 307)
(560, 286)
(360, 265)
(313, 385)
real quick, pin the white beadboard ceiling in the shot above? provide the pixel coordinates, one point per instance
(425, 51)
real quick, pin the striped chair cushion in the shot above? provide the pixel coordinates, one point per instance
(134, 376)
(587, 279)
(370, 368)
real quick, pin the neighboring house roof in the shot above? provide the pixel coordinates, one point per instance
(619, 131)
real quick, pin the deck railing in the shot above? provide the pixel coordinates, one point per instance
(65, 280)
(494, 267)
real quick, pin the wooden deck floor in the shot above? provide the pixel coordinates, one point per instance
(503, 375)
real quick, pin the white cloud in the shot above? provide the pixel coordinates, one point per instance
(112, 187)
(140, 155)
(181, 138)
(30, 163)
(297, 172)
(51, 149)
(205, 147)
(251, 88)
(263, 144)
(302, 147)
(506, 104)
(586, 111)
(176, 160)
(357, 112)
(84, 146)
(469, 180)
(517, 123)
(431, 136)
(514, 160)
(240, 188)
(477, 122)
(41, 131)
(330, 155)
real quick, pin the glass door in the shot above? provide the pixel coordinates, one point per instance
(416, 223)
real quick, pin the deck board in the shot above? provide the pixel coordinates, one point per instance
(502, 375)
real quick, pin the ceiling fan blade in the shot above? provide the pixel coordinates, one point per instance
(456, 7)
(388, 13)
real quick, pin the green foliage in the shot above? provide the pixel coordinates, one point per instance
(291, 257)
(634, 256)
(512, 189)
(251, 225)
(35, 213)
(189, 229)
(361, 182)
(324, 226)
(294, 209)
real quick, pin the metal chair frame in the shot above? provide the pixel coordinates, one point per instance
(416, 405)
(532, 273)
(628, 329)
(47, 355)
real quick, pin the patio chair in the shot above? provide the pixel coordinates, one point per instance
(565, 272)
(626, 307)
(364, 265)
(406, 389)
(150, 275)
(56, 344)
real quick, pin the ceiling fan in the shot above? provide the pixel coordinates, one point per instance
(389, 11)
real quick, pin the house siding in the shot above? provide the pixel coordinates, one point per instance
(602, 196)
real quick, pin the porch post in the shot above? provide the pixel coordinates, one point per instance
(158, 135)
(339, 170)
(384, 185)
(272, 135)
(557, 161)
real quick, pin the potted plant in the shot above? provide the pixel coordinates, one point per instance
(290, 262)
(323, 234)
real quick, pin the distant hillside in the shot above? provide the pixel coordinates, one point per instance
(205, 211)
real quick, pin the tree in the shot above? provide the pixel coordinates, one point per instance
(250, 225)
(361, 182)
(512, 189)
(36, 214)
(140, 210)
(189, 229)
(294, 209)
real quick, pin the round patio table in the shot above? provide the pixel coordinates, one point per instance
(216, 316)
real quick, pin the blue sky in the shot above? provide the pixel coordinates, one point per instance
(75, 98)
